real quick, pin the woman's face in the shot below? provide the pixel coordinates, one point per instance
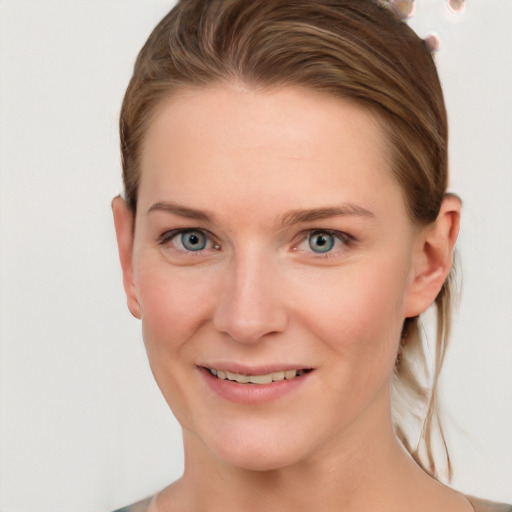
(271, 245)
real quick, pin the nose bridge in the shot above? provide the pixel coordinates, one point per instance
(251, 305)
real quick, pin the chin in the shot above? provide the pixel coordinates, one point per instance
(256, 460)
(260, 451)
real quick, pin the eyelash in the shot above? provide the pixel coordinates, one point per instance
(345, 239)
(169, 236)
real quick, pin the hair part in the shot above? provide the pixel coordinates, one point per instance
(353, 49)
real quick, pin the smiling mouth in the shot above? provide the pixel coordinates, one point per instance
(266, 378)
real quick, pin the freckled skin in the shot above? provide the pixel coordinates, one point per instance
(259, 293)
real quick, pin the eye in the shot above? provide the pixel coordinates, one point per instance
(321, 241)
(188, 240)
(193, 240)
(324, 242)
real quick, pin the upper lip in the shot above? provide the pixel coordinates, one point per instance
(254, 370)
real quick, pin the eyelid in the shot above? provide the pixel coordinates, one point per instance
(171, 234)
(345, 238)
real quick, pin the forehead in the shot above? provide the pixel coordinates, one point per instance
(292, 143)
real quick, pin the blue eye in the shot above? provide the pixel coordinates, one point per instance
(321, 242)
(193, 240)
(187, 243)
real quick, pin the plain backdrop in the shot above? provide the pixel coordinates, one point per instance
(83, 427)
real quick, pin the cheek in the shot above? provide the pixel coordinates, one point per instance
(174, 304)
(359, 311)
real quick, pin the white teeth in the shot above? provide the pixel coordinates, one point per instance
(243, 379)
(290, 374)
(261, 379)
(278, 376)
(257, 379)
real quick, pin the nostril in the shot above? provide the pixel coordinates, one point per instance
(246, 324)
(251, 305)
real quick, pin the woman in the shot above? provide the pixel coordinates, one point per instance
(285, 223)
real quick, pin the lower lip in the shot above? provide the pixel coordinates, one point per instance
(252, 393)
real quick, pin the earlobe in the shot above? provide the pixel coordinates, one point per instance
(123, 221)
(433, 257)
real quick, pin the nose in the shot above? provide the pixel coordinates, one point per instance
(251, 304)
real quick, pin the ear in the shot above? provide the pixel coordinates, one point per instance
(433, 257)
(124, 224)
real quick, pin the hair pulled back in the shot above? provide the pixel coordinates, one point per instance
(354, 49)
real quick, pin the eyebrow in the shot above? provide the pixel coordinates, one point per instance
(289, 218)
(314, 214)
(181, 211)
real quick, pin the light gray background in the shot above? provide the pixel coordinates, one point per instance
(83, 428)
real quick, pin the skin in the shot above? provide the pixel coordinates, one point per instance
(249, 164)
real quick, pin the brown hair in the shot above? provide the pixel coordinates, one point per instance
(355, 49)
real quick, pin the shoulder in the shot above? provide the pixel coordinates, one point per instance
(481, 505)
(478, 504)
(140, 506)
